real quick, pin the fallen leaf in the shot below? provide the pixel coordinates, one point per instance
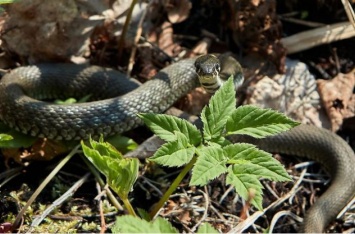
(335, 95)
(178, 11)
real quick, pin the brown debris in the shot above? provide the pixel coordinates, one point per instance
(163, 34)
(46, 30)
(258, 30)
(178, 10)
(42, 150)
(336, 95)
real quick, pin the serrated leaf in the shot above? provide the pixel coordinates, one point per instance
(210, 164)
(174, 153)
(165, 125)
(246, 185)
(121, 173)
(206, 228)
(257, 122)
(256, 162)
(220, 107)
(131, 224)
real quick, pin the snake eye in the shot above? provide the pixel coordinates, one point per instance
(218, 67)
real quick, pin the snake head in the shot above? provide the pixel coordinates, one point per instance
(212, 76)
(207, 65)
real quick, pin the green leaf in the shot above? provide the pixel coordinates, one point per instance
(246, 185)
(131, 224)
(215, 115)
(8, 1)
(122, 143)
(209, 165)
(66, 101)
(249, 165)
(143, 214)
(5, 137)
(73, 100)
(165, 125)
(256, 162)
(174, 153)
(121, 173)
(206, 228)
(17, 140)
(258, 123)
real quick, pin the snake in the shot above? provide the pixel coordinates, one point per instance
(25, 94)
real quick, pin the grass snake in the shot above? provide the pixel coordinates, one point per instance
(116, 113)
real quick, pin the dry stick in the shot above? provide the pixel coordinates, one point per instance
(349, 11)
(125, 28)
(59, 201)
(8, 175)
(311, 38)
(303, 22)
(136, 39)
(102, 217)
(42, 185)
(204, 216)
(278, 215)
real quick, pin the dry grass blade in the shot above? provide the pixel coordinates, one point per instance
(36, 221)
(279, 215)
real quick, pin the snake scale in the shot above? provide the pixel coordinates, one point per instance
(20, 109)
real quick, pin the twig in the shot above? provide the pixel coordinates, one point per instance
(9, 175)
(42, 186)
(102, 217)
(204, 216)
(315, 37)
(125, 28)
(59, 201)
(349, 11)
(279, 215)
(136, 40)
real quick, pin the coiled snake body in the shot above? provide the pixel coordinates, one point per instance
(118, 114)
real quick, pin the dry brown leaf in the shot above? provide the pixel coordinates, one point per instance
(42, 150)
(335, 95)
(166, 39)
(185, 217)
(350, 111)
(178, 11)
(201, 47)
(170, 207)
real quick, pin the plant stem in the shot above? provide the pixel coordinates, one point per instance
(98, 178)
(172, 188)
(128, 206)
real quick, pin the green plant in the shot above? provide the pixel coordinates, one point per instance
(208, 154)
(128, 224)
(121, 173)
